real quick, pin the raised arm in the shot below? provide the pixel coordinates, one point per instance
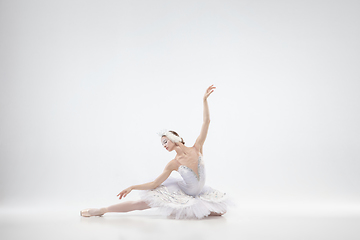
(171, 166)
(206, 120)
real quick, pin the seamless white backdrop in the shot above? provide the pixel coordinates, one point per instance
(86, 85)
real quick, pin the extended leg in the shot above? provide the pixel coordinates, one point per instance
(120, 207)
(128, 206)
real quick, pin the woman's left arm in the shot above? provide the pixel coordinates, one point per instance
(206, 120)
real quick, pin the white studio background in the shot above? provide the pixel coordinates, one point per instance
(86, 85)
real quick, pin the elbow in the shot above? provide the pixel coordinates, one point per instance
(207, 120)
(154, 185)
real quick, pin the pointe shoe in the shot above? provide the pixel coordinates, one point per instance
(91, 212)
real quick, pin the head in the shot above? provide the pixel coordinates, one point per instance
(168, 144)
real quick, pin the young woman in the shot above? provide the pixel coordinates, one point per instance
(186, 198)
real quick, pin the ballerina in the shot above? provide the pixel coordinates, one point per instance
(182, 199)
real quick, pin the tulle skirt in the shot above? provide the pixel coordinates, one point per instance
(173, 202)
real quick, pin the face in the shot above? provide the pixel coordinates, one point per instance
(169, 145)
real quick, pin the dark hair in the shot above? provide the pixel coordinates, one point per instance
(175, 133)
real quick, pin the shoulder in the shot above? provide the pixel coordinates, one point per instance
(173, 165)
(198, 148)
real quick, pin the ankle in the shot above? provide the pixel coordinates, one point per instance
(104, 210)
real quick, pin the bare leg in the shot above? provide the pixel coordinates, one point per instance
(128, 206)
(120, 207)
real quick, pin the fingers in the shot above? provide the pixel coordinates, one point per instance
(121, 194)
(210, 89)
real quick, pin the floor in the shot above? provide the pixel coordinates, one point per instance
(245, 222)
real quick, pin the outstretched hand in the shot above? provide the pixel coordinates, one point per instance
(124, 192)
(209, 90)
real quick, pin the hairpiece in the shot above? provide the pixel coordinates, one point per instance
(172, 137)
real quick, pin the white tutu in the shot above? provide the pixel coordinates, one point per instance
(187, 197)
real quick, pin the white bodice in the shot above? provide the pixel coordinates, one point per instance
(192, 184)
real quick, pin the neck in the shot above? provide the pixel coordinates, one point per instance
(181, 149)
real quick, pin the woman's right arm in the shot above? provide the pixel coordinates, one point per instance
(171, 166)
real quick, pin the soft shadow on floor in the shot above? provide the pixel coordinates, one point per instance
(245, 223)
